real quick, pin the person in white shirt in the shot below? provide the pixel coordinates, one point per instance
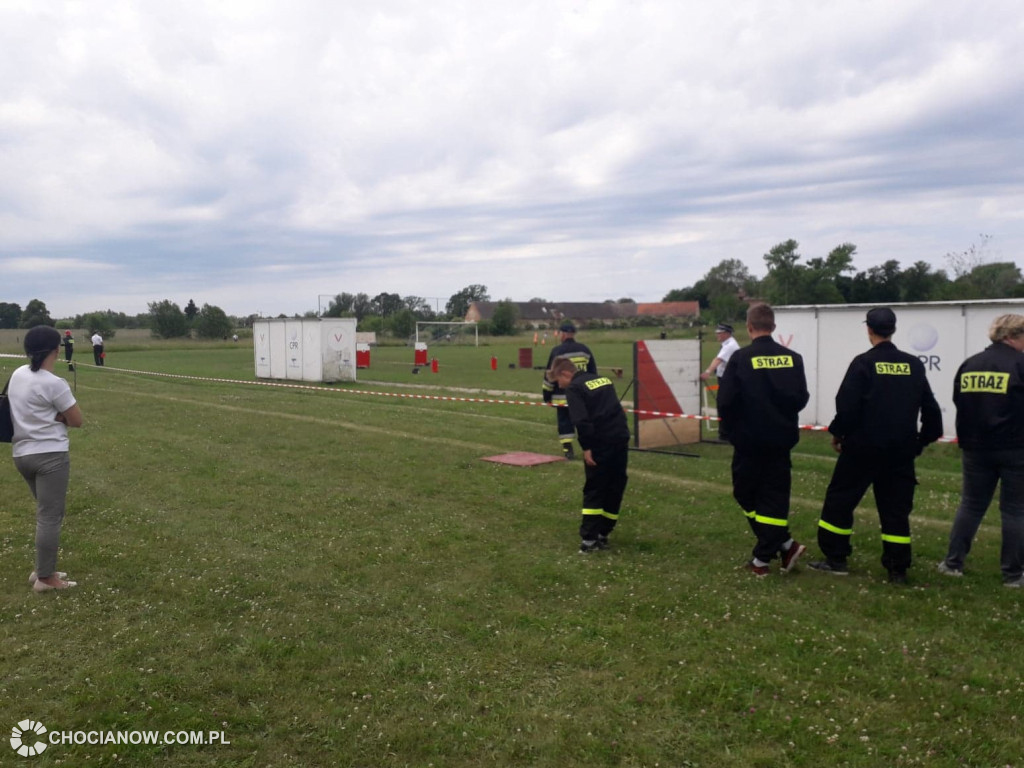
(42, 409)
(97, 348)
(723, 332)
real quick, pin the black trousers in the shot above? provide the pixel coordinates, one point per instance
(566, 431)
(761, 485)
(97, 353)
(893, 481)
(603, 489)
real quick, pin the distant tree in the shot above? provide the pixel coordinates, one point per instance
(962, 263)
(361, 306)
(782, 283)
(35, 314)
(385, 304)
(105, 318)
(97, 322)
(537, 300)
(723, 286)
(696, 292)
(10, 315)
(728, 276)
(998, 280)
(819, 282)
(719, 290)
(191, 310)
(167, 320)
(626, 300)
(458, 304)
(371, 324)
(213, 323)
(419, 306)
(503, 322)
(121, 320)
(881, 284)
(402, 323)
(919, 283)
(341, 305)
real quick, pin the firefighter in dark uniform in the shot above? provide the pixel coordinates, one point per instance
(69, 347)
(600, 422)
(759, 402)
(988, 392)
(875, 431)
(583, 359)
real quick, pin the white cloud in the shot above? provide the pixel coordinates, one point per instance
(328, 146)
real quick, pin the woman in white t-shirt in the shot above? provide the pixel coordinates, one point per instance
(42, 408)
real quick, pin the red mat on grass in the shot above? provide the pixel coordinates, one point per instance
(523, 459)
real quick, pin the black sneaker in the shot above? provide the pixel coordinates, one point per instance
(897, 577)
(569, 453)
(587, 546)
(835, 567)
(602, 542)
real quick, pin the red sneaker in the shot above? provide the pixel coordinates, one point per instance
(758, 570)
(790, 556)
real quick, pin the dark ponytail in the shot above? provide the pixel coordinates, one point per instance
(40, 342)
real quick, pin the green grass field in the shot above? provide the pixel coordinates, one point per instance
(334, 578)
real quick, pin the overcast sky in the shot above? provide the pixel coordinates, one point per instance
(257, 154)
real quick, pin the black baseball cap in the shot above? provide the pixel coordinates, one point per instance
(567, 327)
(881, 320)
(723, 328)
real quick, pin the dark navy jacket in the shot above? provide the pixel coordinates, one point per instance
(596, 412)
(878, 404)
(989, 396)
(761, 396)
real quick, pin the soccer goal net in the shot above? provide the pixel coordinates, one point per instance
(435, 333)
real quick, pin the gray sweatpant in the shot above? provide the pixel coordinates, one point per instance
(47, 476)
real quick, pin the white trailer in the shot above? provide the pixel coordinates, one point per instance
(305, 349)
(941, 333)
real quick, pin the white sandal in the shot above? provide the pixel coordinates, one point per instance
(32, 578)
(42, 586)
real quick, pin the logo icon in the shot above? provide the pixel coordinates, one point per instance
(24, 732)
(923, 337)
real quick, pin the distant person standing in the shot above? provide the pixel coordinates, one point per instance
(97, 348)
(988, 392)
(583, 359)
(729, 345)
(875, 431)
(760, 398)
(69, 347)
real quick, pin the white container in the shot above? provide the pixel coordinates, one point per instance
(306, 349)
(941, 333)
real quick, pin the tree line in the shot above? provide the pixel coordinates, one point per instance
(387, 313)
(397, 315)
(165, 319)
(724, 291)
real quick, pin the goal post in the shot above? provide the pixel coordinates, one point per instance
(450, 332)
